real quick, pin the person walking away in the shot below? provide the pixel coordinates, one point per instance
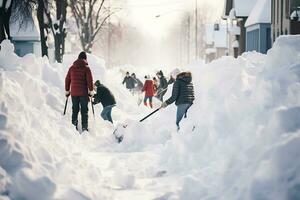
(149, 91)
(163, 86)
(129, 82)
(182, 95)
(106, 98)
(79, 84)
(138, 83)
(155, 85)
(138, 88)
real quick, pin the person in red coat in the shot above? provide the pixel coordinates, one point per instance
(79, 84)
(149, 91)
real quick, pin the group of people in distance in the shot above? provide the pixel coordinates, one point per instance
(152, 87)
(79, 84)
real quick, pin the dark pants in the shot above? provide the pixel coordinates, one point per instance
(106, 113)
(82, 104)
(181, 111)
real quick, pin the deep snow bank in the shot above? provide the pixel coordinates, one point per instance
(245, 144)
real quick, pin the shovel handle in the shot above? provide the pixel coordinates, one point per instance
(150, 114)
(66, 104)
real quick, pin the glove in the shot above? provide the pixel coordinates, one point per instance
(93, 101)
(164, 105)
(91, 93)
(67, 93)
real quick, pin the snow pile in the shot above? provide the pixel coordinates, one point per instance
(246, 143)
(38, 148)
(241, 139)
(8, 59)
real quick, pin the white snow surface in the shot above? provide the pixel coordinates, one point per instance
(246, 142)
(261, 13)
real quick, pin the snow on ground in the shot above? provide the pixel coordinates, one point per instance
(245, 145)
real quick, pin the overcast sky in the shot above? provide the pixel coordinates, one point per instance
(142, 13)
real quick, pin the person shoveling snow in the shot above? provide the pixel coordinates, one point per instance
(106, 98)
(79, 84)
(182, 95)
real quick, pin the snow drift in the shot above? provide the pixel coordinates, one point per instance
(245, 143)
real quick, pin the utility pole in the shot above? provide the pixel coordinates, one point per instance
(196, 29)
(188, 40)
(109, 37)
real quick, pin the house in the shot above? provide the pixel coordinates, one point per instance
(215, 41)
(25, 37)
(258, 27)
(238, 11)
(285, 18)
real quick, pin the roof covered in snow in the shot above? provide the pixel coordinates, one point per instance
(24, 32)
(242, 7)
(261, 13)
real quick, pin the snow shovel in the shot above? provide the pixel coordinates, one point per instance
(150, 114)
(120, 138)
(160, 92)
(93, 107)
(66, 104)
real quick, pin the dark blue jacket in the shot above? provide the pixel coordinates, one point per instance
(183, 90)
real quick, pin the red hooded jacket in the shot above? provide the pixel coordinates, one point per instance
(148, 88)
(79, 79)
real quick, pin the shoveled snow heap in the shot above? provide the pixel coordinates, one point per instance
(245, 145)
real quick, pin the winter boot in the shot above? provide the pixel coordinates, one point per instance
(151, 106)
(85, 129)
(75, 124)
(145, 103)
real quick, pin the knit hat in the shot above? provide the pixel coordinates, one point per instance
(175, 72)
(82, 55)
(97, 83)
(160, 73)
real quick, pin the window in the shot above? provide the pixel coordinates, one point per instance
(216, 27)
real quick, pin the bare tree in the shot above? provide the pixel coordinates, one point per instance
(55, 24)
(42, 26)
(90, 16)
(12, 10)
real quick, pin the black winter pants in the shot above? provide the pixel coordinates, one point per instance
(80, 103)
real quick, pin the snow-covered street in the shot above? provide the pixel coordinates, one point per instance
(241, 139)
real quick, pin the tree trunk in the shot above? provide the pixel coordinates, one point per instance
(60, 32)
(4, 21)
(40, 16)
(2, 33)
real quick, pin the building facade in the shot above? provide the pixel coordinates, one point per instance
(215, 41)
(259, 38)
(238, 11)
(285, 18)
(25, 37)
(258, 27)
